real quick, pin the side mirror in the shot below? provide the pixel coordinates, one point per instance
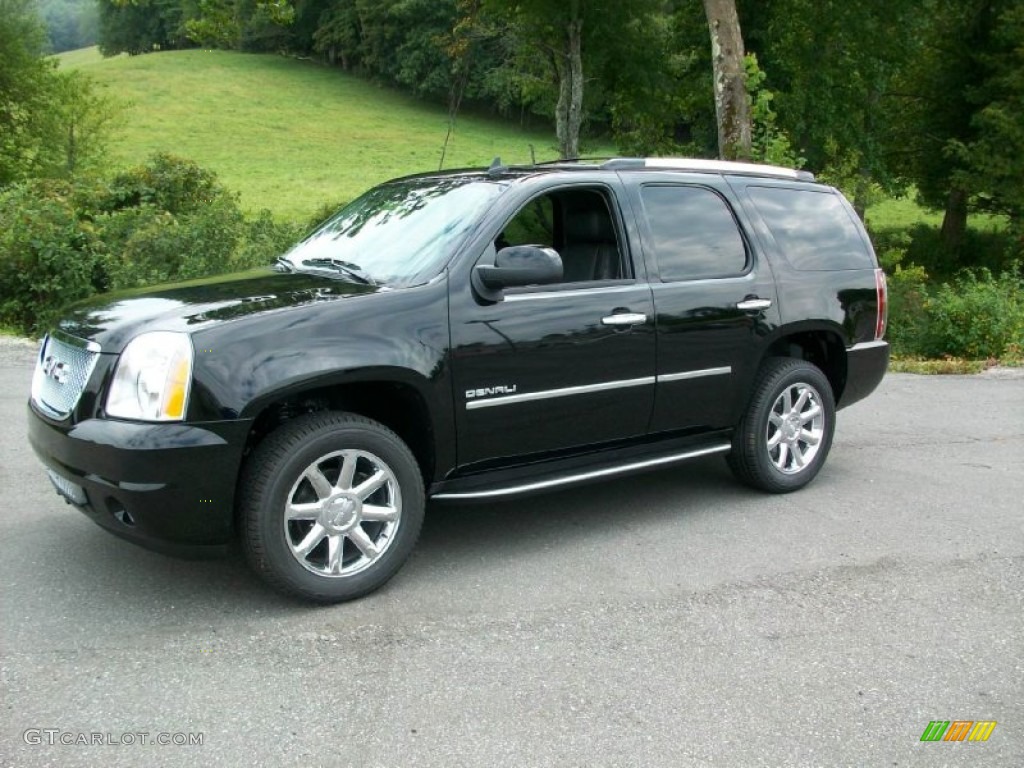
(520, 265)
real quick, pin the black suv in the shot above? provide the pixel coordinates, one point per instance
(466, 335)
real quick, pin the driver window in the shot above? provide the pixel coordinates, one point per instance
(576, 223)
(533, 225)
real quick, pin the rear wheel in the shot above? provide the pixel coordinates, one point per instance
(332, 505)
(785, 436)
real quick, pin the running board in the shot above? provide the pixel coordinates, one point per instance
(581, 477)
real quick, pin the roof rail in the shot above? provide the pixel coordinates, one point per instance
(713, 166)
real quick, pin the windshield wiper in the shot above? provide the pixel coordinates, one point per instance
(284, 264)
(347, 268)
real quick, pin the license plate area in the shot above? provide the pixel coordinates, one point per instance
(68, 490)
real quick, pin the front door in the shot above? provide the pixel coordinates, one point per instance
(550, 369)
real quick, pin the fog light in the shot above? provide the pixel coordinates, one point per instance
(120, 514)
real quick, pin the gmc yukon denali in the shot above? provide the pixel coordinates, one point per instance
(467, 335)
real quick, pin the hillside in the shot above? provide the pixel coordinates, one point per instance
(293, 135)
(288, 135)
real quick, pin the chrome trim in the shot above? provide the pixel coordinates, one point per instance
(583, 476)
(564, 392)
(74, 341)
(751, 305)
(625, 318)
(725, 166)
(723, 371)
(865, 345)
(566, 294)
(79, 358)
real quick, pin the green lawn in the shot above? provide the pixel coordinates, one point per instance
(293, 135)
(288, 135)
(903, 212)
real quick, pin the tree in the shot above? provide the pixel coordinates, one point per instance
(835, 70)
(76, 127)
(963, 114)
(70, 24)
(52, 124)
(993, 160)
(732, 103)
(24, 77)
(554, 29)
(141, 26)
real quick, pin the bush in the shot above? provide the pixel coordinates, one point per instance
(167, 183)
(265, 239)
(166, 220)
(146, 245)
(908, 295)
(48, 253)
(976, 316)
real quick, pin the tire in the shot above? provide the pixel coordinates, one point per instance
(785, 435)
(331, 506)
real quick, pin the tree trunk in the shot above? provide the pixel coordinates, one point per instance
(954, 223)
(862, 192)
(569, 68)
(732, 104)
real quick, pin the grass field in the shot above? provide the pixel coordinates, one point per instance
(293, 135)
(288, 135)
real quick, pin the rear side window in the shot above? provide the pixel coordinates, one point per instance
(813, 229)
(694, 232)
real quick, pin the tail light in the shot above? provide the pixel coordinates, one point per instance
(883, 304)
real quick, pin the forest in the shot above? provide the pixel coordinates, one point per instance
(920, 99)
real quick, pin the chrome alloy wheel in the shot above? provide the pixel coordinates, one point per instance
(796, 427)
(342, 514)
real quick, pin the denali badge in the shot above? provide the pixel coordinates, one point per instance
(501, 389)
(55, 369)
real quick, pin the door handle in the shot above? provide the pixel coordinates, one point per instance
(624, 318)
(754, 304)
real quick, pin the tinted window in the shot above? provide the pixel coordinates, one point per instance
(694, 233)
(533, 225)
(813, 229)
(575, 222)
(401, 233)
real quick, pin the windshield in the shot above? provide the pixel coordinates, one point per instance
(397, 234)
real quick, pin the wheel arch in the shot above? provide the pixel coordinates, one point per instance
(820, 345)
(392, 399)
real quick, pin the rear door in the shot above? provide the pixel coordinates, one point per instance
(714, 298)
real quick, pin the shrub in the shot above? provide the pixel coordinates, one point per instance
(48, 253)
(166, 220)
(264, 239)
(908, 295)
(147, 246)
(165, 182)
(60, 241)
(975, 316)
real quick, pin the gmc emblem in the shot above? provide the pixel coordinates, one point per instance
(55, 369)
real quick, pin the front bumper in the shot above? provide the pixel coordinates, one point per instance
(168, 487)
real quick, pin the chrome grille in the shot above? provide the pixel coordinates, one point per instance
(62, 371)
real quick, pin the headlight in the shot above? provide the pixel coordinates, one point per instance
(152, 378)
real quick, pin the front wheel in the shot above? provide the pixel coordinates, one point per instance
(785, 435)
(332, 504)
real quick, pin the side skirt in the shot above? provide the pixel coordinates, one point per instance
(538, 478)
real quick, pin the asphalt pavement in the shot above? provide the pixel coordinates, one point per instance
(669, 619)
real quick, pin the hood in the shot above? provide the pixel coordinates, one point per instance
(114, 319)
